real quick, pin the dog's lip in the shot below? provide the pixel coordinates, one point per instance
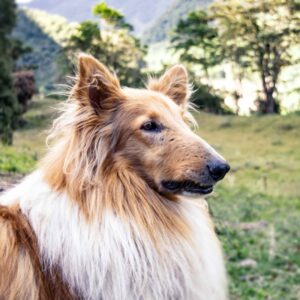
(188, 186)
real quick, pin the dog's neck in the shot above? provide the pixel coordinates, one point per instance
(135, 247)
(120, 191)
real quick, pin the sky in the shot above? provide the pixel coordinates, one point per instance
(24, 1)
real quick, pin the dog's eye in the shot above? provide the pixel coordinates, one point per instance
(151, 126)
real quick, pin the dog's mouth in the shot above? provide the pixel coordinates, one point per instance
(188, 186)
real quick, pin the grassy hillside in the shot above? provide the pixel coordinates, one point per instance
(45, 34)
(29, 140)
(256, 208)
(262, 191)
(152, 20)
(139, 13)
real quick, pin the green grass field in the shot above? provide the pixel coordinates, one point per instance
(256, 208)
(262, 191)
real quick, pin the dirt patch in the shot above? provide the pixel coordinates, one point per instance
(7, 180)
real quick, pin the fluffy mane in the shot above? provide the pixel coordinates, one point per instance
(83, 164)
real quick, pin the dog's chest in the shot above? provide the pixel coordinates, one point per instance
(114, 260)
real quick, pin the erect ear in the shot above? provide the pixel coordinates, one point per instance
(174, 84)
(97, 84)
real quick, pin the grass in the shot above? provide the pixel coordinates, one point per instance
(29, 141)
(263, 187)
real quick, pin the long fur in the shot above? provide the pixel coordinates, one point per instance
(100, 227)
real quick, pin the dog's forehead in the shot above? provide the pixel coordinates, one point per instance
(151, 100)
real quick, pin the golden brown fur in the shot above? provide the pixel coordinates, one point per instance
(21, 271)
(126, 165)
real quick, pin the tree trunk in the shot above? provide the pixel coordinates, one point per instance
(270, 102)
(207, 77)
(269, 80)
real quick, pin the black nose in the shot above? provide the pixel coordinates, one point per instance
(218, 170)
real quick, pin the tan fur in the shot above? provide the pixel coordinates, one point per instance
(174, 83)
(66, 169)
(153, 213)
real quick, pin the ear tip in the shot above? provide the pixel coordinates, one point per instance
(88, 65)
(180, 69)
(83, 55)
(84, 59)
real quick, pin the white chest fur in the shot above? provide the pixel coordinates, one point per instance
(112, 260)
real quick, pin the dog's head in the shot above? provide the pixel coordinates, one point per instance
(148, 129)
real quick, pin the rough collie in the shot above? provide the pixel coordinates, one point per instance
(109, 214)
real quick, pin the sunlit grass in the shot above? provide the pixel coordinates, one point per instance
(264, 185)
(262, 151)
(29, 141)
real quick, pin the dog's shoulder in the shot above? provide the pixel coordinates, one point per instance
(22, 275)
(17, 272)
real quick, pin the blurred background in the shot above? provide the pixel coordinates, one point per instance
(244, 61)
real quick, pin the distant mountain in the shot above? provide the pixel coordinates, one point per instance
(178, 9)
(140, 13)
(47, 28)
(152, 20)
(45, 34)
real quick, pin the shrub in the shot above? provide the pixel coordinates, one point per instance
(25, 87)
(206, 100)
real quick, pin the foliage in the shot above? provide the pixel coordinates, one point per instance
(259, 35)
(139, 13)
(111, 16)
(24, 84)
(9, 110)
(18, 49)
(46, 35)
(85, 37)
(54, 41)
(206, 100)
(114, 45)
(197, 40)
(168, 20)
(29, 139)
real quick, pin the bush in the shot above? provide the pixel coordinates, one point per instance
(207, 101)
(25, 87)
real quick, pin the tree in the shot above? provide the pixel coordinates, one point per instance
(17, 50)
(112, 43)
(207, 100)
(197, 40)
(259, 34)
(9, 109)
(111, 16)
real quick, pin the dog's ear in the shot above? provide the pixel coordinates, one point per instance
(97, 85)
(174, 84)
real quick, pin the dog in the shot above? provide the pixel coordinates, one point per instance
(110, 211)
